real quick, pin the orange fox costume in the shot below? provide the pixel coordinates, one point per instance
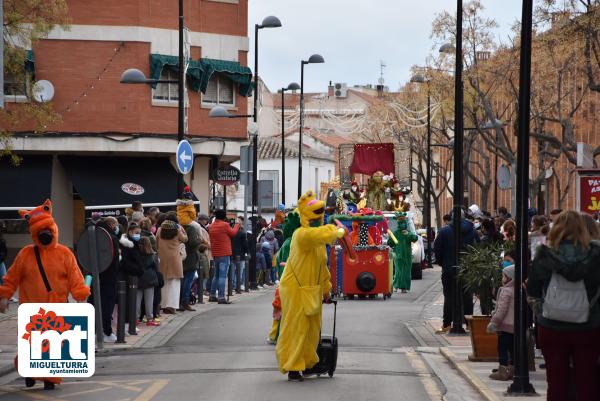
(59, 264)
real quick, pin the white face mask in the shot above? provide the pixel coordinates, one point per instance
(477, 225)
(354, 189)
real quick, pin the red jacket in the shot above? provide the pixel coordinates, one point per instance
(220, 238)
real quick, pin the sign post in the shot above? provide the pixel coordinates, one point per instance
(185, 157)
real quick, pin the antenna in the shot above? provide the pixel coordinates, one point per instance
(382, 66)
(43, 91)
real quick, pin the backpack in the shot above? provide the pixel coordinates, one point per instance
(567, 301)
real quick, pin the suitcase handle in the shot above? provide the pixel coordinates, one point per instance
(334, 302)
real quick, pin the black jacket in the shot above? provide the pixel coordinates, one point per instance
(149, 278)
(3, 250)
(132, 261)
(574, 264)
(443, 246)
(239, 243)
(192, 248)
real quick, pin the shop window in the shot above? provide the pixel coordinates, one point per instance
(220, 90)
(166, 92)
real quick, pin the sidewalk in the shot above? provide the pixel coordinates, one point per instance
(456, 350)
(148, 336)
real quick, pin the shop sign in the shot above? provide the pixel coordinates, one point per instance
(589, 193)
(226, 175)
(132, 189)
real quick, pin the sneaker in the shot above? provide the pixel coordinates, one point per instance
(404, 291)
(29, 382)
(110, 339)
(443, 330)
(157, 319)
(212, 299)
(152, 323)
(223, 302)
(276, 282)
(48, 385)
(243, 288)
(295, 377)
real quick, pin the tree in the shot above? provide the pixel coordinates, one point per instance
(25, 23)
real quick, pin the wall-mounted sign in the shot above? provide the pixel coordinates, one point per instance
(589, 193)
(226, 175)
(132, 189)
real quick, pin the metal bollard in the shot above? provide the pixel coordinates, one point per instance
(131, 305)
(121, 301)
(247, 276)
(238, 275)
(201, 286)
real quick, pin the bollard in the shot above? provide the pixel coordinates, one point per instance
(201, 286)
(132, 295)
(246, 276)
(238, 275)
(121, 301)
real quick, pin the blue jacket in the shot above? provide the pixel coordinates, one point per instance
(443, 246)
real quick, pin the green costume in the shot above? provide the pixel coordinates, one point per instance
(402, 253)
(376, 192)
(292, 222)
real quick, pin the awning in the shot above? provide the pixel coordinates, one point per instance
(194, 70)
(115, 182)
(231, 69)
(27, 185)
(30, 64)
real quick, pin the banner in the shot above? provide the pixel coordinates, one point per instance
(370, 158)
(589, 193)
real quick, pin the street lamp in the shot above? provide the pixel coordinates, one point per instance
(314, 59)
(420, 79)
(291, 87)
(134, 76)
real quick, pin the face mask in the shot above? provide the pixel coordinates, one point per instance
(506, 263)
(45, 237)
(135, 237)
(117, 230)
(354, 189)
(477, 225)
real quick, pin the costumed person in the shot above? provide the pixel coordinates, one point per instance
(380, 228)
(360, 235)
(402, 253)
(292, 222)
(58, 264)
(397, 195)
(352, 195)
(375, 193)
(304, 285)
(279, 220)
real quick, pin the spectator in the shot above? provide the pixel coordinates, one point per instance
(274, 245)
(153, 213)
(503, 213)
(191, 263)
(137, 206)
(261, 267)
(554, 213)
(572, 255)
(443, 248)
(220, 238)
(447, 219)
(206, 255)
(169, 237)
(267, 252)
(490, 234)
(136, 216)
(502, 323)
(239, 246)
(108, 279)
(592, 227)
(539, 231)
(509, 230)
(146, 226)
(147, 282)
(132, 264)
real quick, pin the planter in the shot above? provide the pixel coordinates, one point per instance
(484, 345)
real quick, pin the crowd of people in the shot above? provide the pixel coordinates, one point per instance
(562, 284)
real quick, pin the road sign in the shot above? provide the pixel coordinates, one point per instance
(185, 157)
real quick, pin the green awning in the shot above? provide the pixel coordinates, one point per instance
(194, 70)
(30, 63)
(231, 69)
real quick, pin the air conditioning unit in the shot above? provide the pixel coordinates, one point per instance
(340, 90)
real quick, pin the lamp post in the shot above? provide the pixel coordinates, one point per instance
(420, 79)
(314, 59)
(521, 384)
(135, 76)
(291, 87)
(457, 310)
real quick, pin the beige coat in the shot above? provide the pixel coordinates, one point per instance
(171, 264)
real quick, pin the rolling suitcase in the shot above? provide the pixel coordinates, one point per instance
(327, 351)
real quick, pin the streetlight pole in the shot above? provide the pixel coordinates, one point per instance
(181, 95)
(314, 59)
(292, 86)
(428, 186)
(457, 310)
(521, 384)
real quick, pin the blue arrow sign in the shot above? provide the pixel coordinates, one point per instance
(185, 157)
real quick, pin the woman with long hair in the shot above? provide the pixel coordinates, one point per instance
(573, 256)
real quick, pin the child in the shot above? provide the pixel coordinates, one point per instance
(261, 267)
(147, 281)
(267, 251)
(503, 323)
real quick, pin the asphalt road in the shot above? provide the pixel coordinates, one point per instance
(222, 355)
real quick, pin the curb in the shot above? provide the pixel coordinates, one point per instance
(7, 369)
(471, 377)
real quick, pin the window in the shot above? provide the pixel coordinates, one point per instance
(220, 90)
(270, 175)
(328, 175)
(15, 87)
(166, 92)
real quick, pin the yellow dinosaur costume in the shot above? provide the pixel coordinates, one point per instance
(305, 281)
(59, 264)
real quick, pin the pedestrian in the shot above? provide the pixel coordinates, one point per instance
(554, 213)
(490, 235)
(261, 267)
(186, 214)
(147, 282)
(153, 213)
(220, 233)
(267, 253)
(443, 247)
(503, 213)
(146, 231)
(109, 278)
(502, 323)
(132, 264)
(539, 231)
(568, 335)
(592, 227)
(509, 230)
(206, 255)
(239, 247)
(169, 238)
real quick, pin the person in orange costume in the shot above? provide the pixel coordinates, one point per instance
(355, 235)
(59, 264)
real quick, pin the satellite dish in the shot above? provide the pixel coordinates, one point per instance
(503, 177)
(43, 91)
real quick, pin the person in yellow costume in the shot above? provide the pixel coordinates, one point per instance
(303, 287)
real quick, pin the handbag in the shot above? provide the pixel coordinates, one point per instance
(311, 296)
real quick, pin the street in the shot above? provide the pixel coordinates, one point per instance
(222, 354)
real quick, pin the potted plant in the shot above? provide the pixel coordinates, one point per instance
(480, 273)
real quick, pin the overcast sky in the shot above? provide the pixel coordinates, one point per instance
(353, 36)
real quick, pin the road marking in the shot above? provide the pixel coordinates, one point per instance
(94, 390)
(152, 391)
(427, 379)
(33, 394)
